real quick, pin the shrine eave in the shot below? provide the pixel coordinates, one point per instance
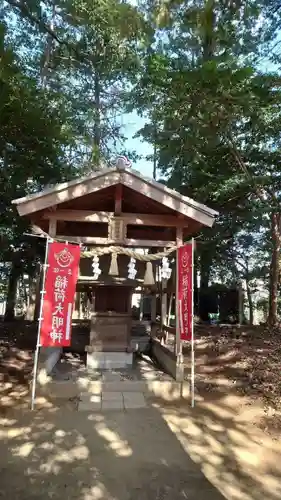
(107, 177)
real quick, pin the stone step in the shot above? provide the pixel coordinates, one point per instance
(164, 390)
(108, 360)
(111, 401)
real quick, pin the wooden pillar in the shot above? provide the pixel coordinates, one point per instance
(80, 305)
(141, 307)
(129, 325)
(164, 303)
(76, 310)
(170, 308)
(153, 308)
(163, 319)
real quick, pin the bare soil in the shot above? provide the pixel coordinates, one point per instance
(227, 447)
(242, 361)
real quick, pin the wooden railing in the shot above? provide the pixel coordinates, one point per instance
(164, 333)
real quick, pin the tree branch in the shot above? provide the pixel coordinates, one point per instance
(239, 160)
(23, 8)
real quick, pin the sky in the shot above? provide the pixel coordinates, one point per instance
(132, 123)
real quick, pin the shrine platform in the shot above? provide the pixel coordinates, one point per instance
(133, 387)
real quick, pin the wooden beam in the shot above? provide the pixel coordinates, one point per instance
(148, 243)
(87, 240)
(79, 215)
(89, 280)
(133, 219)
(154, 220)
(118, 199)
(94, 240)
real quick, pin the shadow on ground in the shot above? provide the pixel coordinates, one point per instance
(163, 452)
(245, 359)
(234, 455)
(121, 456)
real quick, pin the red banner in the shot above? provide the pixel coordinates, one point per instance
(185, 290)
(60, 285)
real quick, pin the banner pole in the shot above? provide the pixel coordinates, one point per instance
(36, 357)
(192, 330)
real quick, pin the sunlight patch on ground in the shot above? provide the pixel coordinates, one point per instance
(97, 492)
(15, 432)
(61, 456)
(24, 450)
(115, 443)
(228, 451)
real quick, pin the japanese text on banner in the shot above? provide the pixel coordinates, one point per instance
(60, 285)
(185, 290)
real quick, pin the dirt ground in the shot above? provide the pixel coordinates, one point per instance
(162, 453)
(227, 447)
(244, 362)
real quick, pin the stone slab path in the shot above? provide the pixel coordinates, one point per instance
(111, 401)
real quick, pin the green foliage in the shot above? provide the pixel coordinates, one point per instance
(69, 69)
(214, 120)
(65, 69)
(89, 52)
(32, 144)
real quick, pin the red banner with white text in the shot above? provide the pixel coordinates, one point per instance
(60, 284)
(185, 290)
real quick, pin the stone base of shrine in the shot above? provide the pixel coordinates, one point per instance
(108, 360)
(72, 380)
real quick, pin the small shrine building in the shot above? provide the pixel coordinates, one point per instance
(126, 224)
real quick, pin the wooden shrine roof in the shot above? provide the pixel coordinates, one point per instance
(96, 192)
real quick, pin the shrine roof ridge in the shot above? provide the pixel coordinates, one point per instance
(102, 173)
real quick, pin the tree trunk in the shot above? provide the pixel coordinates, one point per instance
(32, 297)
(48, 51)
(208, 28)
(274, 268)
(12, 290)
(205, 269)
(154, 154)
(250, 302)
(38, 288)
(25, 295)
(97, 124)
